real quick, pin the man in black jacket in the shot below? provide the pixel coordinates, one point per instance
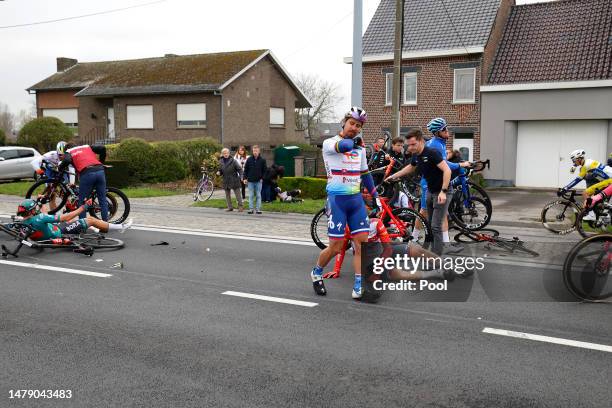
(254, 170)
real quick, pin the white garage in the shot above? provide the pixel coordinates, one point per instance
(543, 149)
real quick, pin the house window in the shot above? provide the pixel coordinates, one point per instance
(388, 89)
(465, 85)
(140, 116)
(277, 117)
(191, 115)
(70, 117)
(410, 88)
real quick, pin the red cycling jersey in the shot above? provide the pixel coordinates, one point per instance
(83, 157)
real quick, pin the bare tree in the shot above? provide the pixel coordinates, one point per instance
(324, 96)
(7, 119)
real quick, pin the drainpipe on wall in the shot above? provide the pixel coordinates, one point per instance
(217, 93)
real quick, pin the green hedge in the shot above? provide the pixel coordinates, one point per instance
(163, 161)
(311, 187)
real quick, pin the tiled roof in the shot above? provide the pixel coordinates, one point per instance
(565, 40)
(170, 73)
(427, 25)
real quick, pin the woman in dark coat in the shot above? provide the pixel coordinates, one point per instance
(231, 171)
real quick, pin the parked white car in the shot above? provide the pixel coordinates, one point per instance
(15, 162)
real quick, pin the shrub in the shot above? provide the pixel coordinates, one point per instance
(311, 187)
(478, 178)
(163, 161)
(44, 133)
(2, 138)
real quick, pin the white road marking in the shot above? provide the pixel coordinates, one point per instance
(547, 339)
(270, 298)
(201, 233)
(56, 269)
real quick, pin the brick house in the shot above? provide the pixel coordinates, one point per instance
(244, 97)
(447, 52)
(549, 92)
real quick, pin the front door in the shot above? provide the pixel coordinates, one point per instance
(110, 124)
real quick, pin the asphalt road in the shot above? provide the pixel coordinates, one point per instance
(160, 332)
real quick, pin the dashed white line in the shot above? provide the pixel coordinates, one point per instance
(547, 339)
(270, 298)
(56, 269)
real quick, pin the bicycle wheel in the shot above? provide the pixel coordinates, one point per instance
(599, 222)
(97, 241)
(586, 270)
(560, 216)
(477, 191)
(204, 190)
(411, 217)
(56, 193)
(318, 229)
(469, 237)
(118, 206)
(475, 216)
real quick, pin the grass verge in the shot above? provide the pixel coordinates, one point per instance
(308, 206)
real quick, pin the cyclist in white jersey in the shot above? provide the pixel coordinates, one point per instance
(346, 167)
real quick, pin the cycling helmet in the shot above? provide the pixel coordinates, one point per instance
(436, 125)
(577, 154)
(61, 147)
(356, 113)
(25, 207)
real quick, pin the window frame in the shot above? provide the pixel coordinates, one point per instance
(464, 101)
(278, 125)
(127, 117)
(201, 124)
(388, 89)
(415, 75)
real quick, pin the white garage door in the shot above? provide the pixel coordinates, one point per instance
(543, 149)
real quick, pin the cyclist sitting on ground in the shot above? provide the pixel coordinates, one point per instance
(47, 226)
(378, 234)
(346, 168)
(290, 196)
(90, 171)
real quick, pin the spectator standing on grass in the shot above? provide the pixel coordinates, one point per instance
(254, 170)
(241, 157)
(231, 171)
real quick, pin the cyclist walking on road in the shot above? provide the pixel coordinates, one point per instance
(346, 167)
(90, 171)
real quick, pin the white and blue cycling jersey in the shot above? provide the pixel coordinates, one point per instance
(343, 170)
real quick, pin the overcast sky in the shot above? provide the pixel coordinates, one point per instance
(307, 36)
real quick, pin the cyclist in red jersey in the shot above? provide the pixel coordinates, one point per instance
(90, 171)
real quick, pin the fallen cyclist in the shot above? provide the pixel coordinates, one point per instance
(49, 227)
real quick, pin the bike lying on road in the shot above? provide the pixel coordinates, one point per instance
(491, 239)
(586, 271)
(84, 243)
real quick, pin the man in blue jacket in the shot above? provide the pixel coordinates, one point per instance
(254, 170)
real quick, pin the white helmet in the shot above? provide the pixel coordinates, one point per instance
(577, 154)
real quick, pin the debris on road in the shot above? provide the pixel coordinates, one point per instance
(160, 243)
(99, 260)
(118, 265)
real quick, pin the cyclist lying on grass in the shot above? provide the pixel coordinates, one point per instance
(48, 226)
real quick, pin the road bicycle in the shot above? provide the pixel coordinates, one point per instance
(84, 243)
(586, 270)
(491, 239)
(400, 223)
(205, 188)
(470, 207)
(62, 195)
(560, 216)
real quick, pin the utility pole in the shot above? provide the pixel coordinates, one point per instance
(397, 68)
(356, 66)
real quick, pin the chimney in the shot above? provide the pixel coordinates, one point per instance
(65, 63)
